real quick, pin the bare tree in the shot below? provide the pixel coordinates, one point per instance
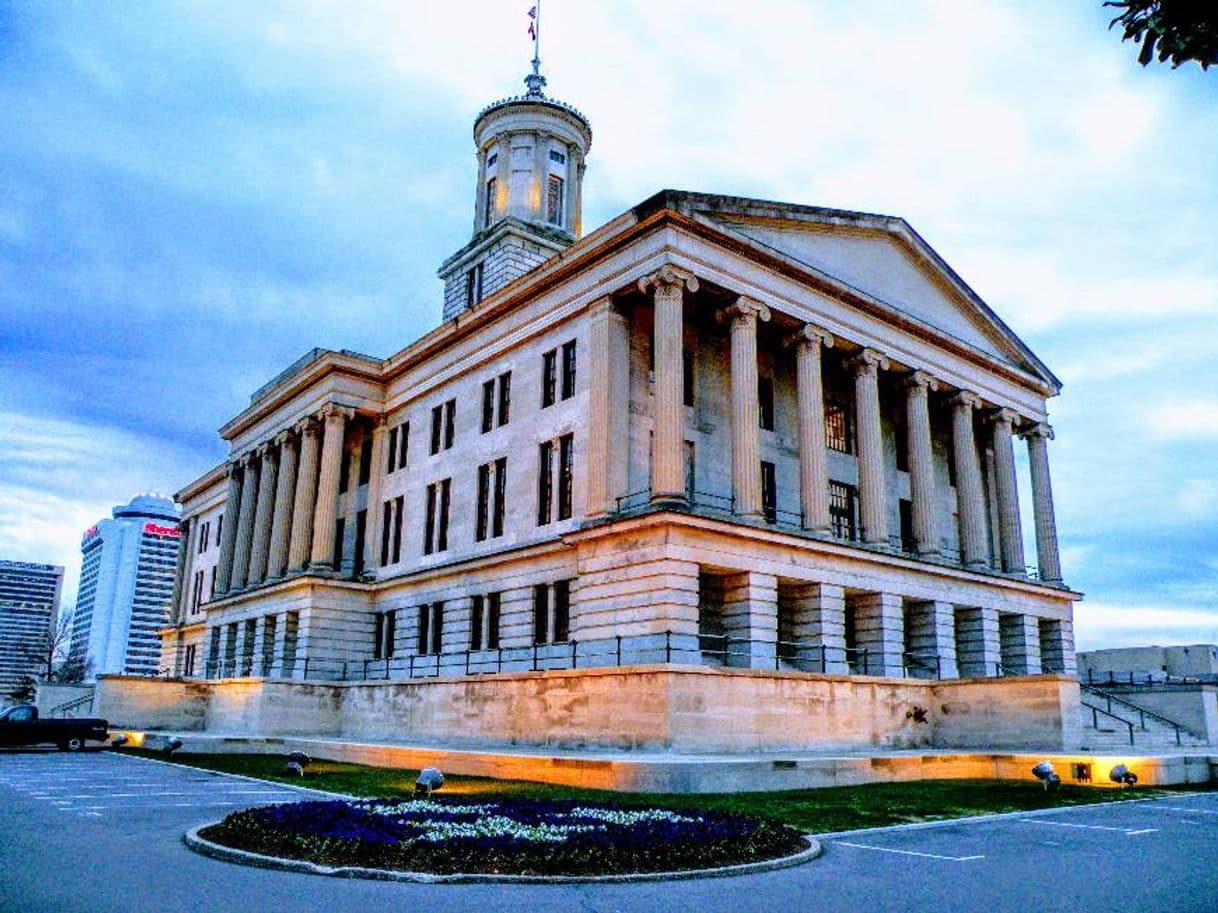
(49, 661)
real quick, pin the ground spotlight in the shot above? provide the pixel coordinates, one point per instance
(171, 746)
(1045, 773)
(1123, 775)
(430, 779)
(118, 741)
(297, 762)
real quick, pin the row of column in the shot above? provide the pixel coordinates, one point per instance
(282, 502)
(609, 414)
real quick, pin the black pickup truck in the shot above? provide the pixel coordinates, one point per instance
(20, 725)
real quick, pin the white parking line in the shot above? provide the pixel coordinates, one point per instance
(1089, 827)
(885, 849)
(1189, 811)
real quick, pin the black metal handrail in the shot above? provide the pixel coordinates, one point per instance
(62, 710)
(1095, 720)
(1142, 712)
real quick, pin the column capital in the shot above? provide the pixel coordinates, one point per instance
(233, 468)
(966, 400)
(1037, 429)
(1005, 416)
(262, 450)
(282, 439)
(668, 276)
(745, 309)
(333, 412)
(810, 334)
(868, 361)
(920, 380)
(602, 307)
(248, 458)
(307, 426)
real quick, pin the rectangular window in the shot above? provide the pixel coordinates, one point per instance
(500, 502)
(473, 285)
(361, 534)
(769, 492)
(344, 471)
(545, 482)
(392, 462)
(562, 611)
(188, 666)
(424, 639)
(403, 444)
(450, 423)
(482, 516)
(437, 428)
(905, 512)
(442, 520)
(488, 405)
(566, 457)
(340, 533)
(554, 200)
(493, 607)
(901, 440)
(687, 376)
(429, 521)
(505, 397)
(549, 378)
(492, 187)
(211, 592)
(477, 611)
(219, 527)
(399, 505)
(765, 402)
(365, 458)
(841, 509)
(568, 369)
(541, 613)
(437, 627)
(558, 157)
(838, 427)
(386, 531)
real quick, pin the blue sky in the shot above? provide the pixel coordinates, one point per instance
(193, 194)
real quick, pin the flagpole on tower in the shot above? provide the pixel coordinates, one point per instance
(535, 80)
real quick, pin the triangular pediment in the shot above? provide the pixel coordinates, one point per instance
(880, 257)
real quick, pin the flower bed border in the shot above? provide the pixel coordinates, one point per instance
(207, 847)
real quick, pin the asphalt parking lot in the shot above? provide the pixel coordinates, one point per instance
(100, 831)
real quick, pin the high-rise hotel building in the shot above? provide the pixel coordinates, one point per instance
(29, 611)
(127, 575)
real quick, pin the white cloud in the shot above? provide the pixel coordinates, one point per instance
(1182, 421)
(1102, 625)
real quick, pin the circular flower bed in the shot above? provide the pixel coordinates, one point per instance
(509, 837)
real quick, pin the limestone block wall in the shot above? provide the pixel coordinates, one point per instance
(273, 707)
(128, 701)
(1018, 712)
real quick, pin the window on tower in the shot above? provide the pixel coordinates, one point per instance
(554, 200)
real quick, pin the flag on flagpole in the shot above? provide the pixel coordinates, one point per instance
(533, 23)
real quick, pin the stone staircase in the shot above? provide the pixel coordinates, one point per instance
(1108, 722)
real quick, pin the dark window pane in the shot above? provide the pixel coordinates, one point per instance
(437, 627)
(483, 506)
(500, 496)
(554, 200)
(450, 422)
(568, 369)
(505, 397)
(437, 422)
(566, 448)
(392, 462)
(386, 531)
(475, 623)
(429, 521)
(765, 402)
(549, 377)
(541, 613)
(442, 531)
(403, 445)
(424, 625)
(488, 406)
(492, 621)
(687, 376)
(562, 611)
(769, 491)
(545, 482)
(365, 459)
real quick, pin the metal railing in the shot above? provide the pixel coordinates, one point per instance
(68, 707)
(1095, 719)
(1142, 712)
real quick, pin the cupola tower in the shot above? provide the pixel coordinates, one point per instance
(531, 151)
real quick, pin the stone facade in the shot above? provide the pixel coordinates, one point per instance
(679, 442)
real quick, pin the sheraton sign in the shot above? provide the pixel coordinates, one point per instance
(153, 529)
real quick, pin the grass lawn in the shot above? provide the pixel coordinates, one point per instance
(811, 810)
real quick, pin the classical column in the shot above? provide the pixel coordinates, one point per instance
(245, 523)
(668, 441)
(285, 493)
(1047, 557)
(186, 550)
(813, 450)
(923, 497)
(374, 514)
(334, 421)
(746, 414)
(873, 488)
(1010, 530)
(263, 514)
(970, 498)
(228, 538)
(304, 500)
(601, 404)
(541, 173)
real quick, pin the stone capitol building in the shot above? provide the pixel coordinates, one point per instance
(721, 474)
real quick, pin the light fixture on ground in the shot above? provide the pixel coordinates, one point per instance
(297, 762)
(430, 779)
(1048, 777)
(171, 746)
(1123, 775)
